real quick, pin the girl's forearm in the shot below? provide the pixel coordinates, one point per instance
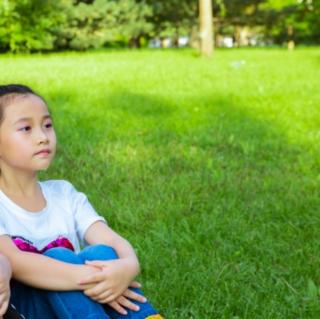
(46, 273)
(100, 233)
(125, 251)
(5, 267)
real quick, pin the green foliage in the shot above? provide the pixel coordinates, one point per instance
(173, 17)
(235, 12)
(37, 25)
(29, 25)
(292, 20)
(94, 24)
(278, 4)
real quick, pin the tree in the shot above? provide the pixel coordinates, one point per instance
(206, 27)
(43, 25)
(97, 23)
(291, 21)
(28, 25)
(172, 18)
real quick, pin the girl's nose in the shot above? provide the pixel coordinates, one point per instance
(42, 137)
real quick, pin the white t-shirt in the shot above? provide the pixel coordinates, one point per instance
(67, 215)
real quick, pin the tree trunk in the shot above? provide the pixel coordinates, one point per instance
(290, 38)
(206, 27)
(175, 38)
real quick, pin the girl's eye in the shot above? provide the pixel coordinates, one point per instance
(48, 125)
(25, 129)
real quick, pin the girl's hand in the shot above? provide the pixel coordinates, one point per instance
(111, 281)
(4, 302)
(4, 295)
(125, 300)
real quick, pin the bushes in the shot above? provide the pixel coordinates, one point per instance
(41, 25)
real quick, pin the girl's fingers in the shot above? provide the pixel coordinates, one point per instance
(97, 263)
(3, 308)
(106, 295)
(4, 299)
(134, 296)
(135, 284)
(93, 278)
(109, 299)
(127, 303)
(97, 290)
(117, 307)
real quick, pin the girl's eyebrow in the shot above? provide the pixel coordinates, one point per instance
(47, 116)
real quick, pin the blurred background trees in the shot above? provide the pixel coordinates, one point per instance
(47, 25)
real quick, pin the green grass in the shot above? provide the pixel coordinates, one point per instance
(209, 167)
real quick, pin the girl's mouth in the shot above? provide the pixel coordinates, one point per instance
(44, 152)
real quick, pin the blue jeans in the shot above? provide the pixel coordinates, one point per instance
(36, 303)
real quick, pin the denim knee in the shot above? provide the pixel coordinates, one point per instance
(63, 254)
(98, 252)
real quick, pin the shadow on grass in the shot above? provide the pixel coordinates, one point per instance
(222, 198)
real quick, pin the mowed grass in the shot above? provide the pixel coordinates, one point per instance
(210, 168)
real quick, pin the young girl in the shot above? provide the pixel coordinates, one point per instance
(42, 225)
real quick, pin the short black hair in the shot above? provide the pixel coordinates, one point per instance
(10, 91)
(15, 89)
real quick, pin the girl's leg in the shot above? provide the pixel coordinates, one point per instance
(30, 302)
(12, 313)
(72, 304)
(102, 252)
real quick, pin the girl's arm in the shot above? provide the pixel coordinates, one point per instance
(115, 275)
(101, 233)
(43, 272)
(5, 276)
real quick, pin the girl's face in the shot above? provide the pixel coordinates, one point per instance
(27, 137)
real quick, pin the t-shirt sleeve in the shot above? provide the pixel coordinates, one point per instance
(83, 212)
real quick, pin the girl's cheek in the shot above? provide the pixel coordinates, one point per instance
(53, 136)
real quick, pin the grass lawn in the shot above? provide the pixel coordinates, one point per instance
(209, 167)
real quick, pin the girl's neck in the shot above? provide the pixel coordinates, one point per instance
(22, 184)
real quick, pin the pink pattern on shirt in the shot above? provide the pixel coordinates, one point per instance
(25, 245)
